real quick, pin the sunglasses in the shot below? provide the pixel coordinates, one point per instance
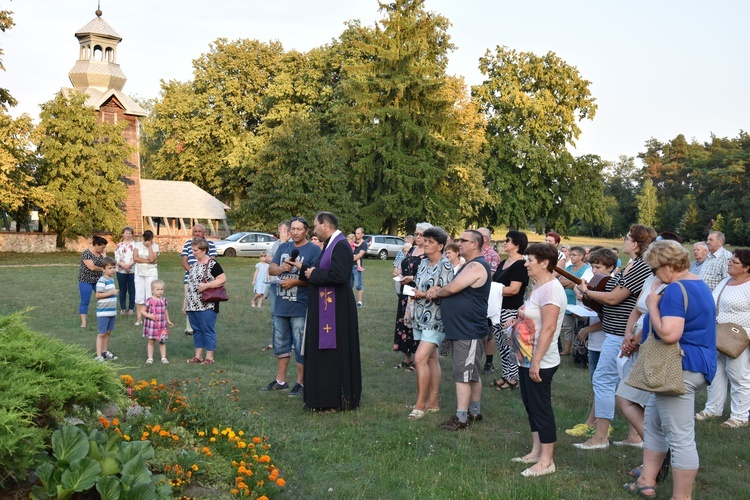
(302, 220)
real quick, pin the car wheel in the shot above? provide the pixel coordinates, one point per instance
(383, 254)
(230, 252)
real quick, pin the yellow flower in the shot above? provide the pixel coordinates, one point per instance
(201, 433)
(194, 467)
(126, 437)
(241, 433)
(213, 439)
(214, 431)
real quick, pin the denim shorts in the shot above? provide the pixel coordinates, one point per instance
(356, 278)
(287, 332)
(431, 336)
(105, 324)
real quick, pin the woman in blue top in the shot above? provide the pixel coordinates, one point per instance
(668, 421)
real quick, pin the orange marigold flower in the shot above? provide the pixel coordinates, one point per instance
(263, 497)
(115, 421)
(256, 439)
(264, 459)
(260, 483)
(176, 438)
(205, 449)
(194, 467)
(280, 483)
(234, 491)
(104, 422)
(156, 428)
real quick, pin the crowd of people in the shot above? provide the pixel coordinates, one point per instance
(445, 291)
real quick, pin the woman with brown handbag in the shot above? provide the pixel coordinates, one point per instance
(733, 306)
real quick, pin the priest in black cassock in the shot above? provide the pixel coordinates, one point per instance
(333, 372)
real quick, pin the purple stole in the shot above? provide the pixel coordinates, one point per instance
(327, 300)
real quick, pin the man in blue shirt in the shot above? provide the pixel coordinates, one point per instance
(290, 306)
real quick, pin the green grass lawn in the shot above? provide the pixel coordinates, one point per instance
(373, 452)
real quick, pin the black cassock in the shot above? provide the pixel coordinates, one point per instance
(333, 377)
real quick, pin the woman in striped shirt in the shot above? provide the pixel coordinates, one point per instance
(619, 298)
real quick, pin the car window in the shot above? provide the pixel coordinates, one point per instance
(235, 237)
(395, 241)
(250, 238)
(264, 238)
(379, 239)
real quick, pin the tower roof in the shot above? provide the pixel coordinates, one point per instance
(97, 26)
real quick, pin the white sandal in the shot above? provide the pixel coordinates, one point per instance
(733, 423)
(416, 414)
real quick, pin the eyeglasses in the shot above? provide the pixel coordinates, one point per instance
(418, 234)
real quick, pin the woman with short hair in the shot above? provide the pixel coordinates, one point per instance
(513, 275)
(204, 274)
(92, 265)
(732, 296)
(685, 313)
(126, 270)
(145, 255)
(536, 352)
(435, 270)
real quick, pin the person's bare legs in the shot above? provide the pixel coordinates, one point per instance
(150, 349)
(300, 373)
(545, 452)
(633, 412)
(421, 362)
(433, 396)
(652, 461)
(683, 480)
(281, 365)
(84, 319)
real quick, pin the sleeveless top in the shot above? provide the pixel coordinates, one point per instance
(465, 313)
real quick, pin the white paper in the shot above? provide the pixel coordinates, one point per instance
(581, 311)
(409, 290)
(398, 278)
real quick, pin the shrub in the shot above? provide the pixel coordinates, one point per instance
(41, 380)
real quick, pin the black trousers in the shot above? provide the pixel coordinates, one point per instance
(537, 398)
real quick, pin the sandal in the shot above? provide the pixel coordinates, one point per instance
(416, 414)
(635, 472)
(498, 382)
(195, 360)
(733, 423)
(208, 361)
(507, 386)
(410, 367)
(638, 491)
(402, 364)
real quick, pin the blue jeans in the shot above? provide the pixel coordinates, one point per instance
(126, 283)
(606, 377)
(356, 278)
(288, 331)
(86, 289)
(593, 362)
(204, 329)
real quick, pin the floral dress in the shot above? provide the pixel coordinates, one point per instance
(404, 336)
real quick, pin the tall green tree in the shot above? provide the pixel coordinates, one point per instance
(81, 165)
(533, 104)
(393, 114)
(648, 204)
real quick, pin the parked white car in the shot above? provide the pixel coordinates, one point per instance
(383, 246)
(246, 244)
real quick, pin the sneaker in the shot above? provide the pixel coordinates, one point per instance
(454, 424)
(359, 305)
(109, 355)
(472, 419)
(149, 361)
(578, 430)
(275, 386)
(296, 390)
(164, 361)
(138, 323)
(488, 368)
(100, 359)
(592, 430)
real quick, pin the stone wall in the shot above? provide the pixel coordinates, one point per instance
(45, 242)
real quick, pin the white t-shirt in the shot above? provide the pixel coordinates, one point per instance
(551, 292)
(141, 251)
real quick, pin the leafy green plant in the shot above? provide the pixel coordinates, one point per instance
(117, 468)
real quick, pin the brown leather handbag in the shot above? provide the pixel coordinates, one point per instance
(731, 338)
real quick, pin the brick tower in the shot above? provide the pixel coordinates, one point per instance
(97, 74)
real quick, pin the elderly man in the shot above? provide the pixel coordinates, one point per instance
(717, 261)
(700, 252)
(493, 260)
(188, 259)
(464, 307)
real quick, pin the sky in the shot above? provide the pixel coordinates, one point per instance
(657, 68)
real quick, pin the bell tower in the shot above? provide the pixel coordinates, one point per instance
(97, 74)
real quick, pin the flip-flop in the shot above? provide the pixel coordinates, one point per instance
(507, 386)
(497, 382)
(195, 360)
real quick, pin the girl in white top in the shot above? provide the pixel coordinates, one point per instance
(145, 255)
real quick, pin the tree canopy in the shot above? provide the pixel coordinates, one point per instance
(82, 165)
